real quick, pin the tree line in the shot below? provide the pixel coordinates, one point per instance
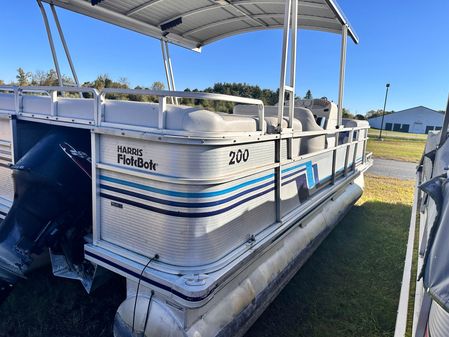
(267, 96)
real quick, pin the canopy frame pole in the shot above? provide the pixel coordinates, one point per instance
(341, 88)
(168, 70)
(284, 65)
(294, 34)
(288, 62)
(64, 44)
(50, 41)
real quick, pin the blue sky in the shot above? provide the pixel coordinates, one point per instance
(402, 42)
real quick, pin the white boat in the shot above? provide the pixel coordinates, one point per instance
(206, 214)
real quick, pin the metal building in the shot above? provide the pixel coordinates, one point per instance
(414, 120)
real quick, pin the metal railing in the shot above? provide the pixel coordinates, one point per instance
(53, 93)
(99, 99)
(162, 96)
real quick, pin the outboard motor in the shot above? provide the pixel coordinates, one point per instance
(51, 209)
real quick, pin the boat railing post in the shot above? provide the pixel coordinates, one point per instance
(344, 39)
(54, 99)
(100, 108)
(334, 163)
(261, 110)
(162, 109)
(17, 100)
(356, 145)
(348, 147)
(50, 41)
(365, 139)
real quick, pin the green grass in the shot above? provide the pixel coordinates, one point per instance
(396, 145)
(397, 135)
(349, 288)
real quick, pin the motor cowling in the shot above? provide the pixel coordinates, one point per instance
(52, 205)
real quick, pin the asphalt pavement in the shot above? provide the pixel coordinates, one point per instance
(393, 168)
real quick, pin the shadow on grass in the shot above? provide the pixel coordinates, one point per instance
(351, 284)
(349, 287)
(45, 306)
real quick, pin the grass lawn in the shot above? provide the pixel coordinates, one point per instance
(349, 287)
(397, 145)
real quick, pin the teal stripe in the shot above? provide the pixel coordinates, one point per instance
(185, 194)
(308, 165)
(309, 169)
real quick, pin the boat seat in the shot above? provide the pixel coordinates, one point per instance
(312, 143)
(131, 113)
(199, 120)
(271, 118)
(325, 111)
(80, 108)
(306, 121)
(180, 118)
(7, 103)
(36, 104)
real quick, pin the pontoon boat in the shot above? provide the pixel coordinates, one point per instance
(206, 214)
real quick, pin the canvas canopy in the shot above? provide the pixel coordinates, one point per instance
(195, 23)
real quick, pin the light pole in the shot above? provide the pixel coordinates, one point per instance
(383, 111)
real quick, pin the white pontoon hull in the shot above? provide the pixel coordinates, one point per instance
(246, 293)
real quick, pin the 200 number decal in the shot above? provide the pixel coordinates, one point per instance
(238, 156)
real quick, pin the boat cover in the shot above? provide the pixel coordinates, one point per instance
(195, 23)
(435, 270)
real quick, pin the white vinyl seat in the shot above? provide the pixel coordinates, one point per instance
(312, 143)
(79, 108)
(131, 113)
(36, 104)
(179, 118)
(304, 121)
(199, 120)
(271, 118)
(7, 103)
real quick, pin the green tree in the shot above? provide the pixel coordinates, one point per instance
(308, 94)
(157, 86)
(22, 77)
(347, 114)
(360, 117)
(376, 113)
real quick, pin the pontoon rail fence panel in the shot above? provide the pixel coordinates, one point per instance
(12, 89)
(343, 165)
(52, 93)
(163, 94)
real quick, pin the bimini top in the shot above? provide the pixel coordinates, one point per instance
(195, 23)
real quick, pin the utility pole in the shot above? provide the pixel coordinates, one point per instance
(383, 111)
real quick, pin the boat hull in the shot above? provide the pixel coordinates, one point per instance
(247, 293)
